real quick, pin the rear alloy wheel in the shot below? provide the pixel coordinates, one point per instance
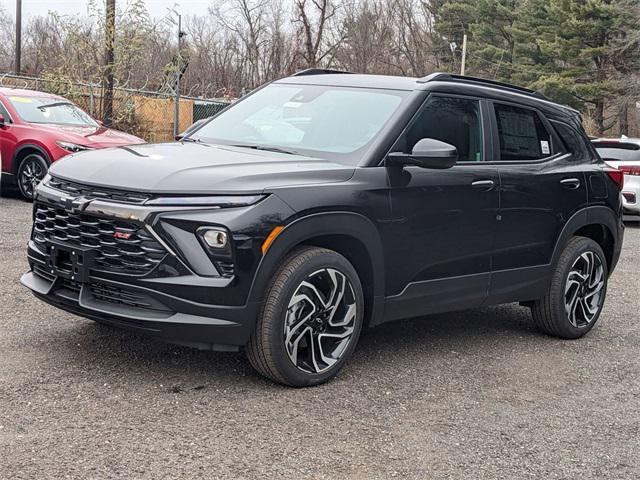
(577, 291)
(311, 319)
(584, 289)
(31, 171)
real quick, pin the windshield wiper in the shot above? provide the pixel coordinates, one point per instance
(267, 148)
(190, 139)
(54, 104)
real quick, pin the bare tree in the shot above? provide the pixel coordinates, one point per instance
(314, 17)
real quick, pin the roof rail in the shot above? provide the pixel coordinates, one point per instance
(449, 77)
(317, 71)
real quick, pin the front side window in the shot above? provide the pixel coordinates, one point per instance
(453, 120)
(4, 113)
(313, 120)
(50, 110)
(521, 133)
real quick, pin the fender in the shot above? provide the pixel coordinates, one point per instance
(345, 223)
(34, 146)
(589, 216)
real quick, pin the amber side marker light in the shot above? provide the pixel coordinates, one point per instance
(270, 238)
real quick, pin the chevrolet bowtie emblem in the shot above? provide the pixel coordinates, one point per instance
(76, 204)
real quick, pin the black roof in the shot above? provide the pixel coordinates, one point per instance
(388, 82)
(444, 82)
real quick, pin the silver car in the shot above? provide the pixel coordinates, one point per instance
(624, 154)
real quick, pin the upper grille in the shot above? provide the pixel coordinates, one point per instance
(136, 254)
(97, 192)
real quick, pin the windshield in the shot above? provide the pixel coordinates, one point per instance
(50, 110)
(322, 121)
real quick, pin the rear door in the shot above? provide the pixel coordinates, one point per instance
(542, 186)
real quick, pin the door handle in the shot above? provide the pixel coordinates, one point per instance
(570, 183)
(483, 184)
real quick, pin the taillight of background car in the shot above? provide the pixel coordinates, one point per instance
(630, 170)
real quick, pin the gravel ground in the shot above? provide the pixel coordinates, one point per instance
(474, 394)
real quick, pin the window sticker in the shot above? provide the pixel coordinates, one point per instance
(544, 145)
(21, 99)
(293, 105)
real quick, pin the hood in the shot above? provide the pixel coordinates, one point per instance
(196, 168)
(97, 136)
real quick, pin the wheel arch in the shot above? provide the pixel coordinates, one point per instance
(348, 233)
(27, 149)
(597, 223)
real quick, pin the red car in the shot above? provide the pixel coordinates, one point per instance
(38, 128)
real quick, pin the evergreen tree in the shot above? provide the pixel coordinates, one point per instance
(583, 53)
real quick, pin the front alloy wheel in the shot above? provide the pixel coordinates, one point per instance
(32, 170)
(311, 319)
(320, 321)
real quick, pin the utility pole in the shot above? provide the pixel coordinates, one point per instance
(18, 52)
(464, 54)
(107, 81)
(176, 113)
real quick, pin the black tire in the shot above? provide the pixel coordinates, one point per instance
(31, 171)
(268, 349)
(556, 314)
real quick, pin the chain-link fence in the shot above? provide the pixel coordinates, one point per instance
(147, 114)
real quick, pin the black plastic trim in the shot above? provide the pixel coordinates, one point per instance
(350, 224)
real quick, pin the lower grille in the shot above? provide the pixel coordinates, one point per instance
(108, 293)
(44, 273)
(101, 292)
(121, 247)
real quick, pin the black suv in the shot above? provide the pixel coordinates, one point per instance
(326, 202)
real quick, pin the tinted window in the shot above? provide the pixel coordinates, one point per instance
(522, 134)
(628, 152)
(574, 141)
(455, 121)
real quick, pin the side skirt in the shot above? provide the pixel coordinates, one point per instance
(468, 291)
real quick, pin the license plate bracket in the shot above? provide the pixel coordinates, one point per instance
(69, 262)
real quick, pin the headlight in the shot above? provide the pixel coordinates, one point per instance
(72, 147)
(221, 201)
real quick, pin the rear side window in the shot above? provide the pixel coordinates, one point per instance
(626, 152)
(522, 134)
(573, 140)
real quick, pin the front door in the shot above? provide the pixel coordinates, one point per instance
(443, 221)
(7, 140)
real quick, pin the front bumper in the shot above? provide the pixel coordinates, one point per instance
(169, 317)
(186, 298)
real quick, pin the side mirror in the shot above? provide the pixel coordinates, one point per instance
(427, 153)
(2, 121)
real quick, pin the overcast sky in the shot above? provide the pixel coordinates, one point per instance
(157, 8)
